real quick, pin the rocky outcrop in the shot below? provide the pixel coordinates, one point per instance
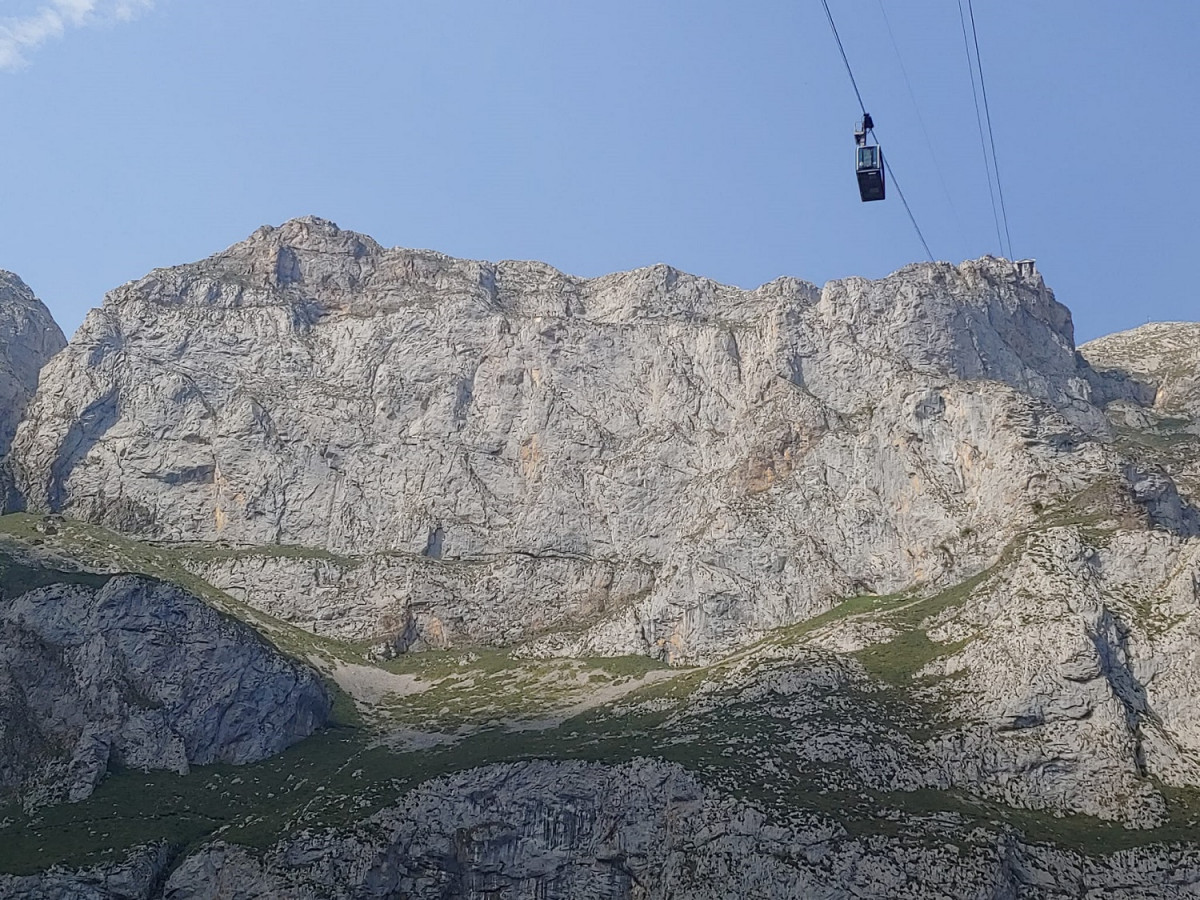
(1061, 680)
(100, 670)
(28, 339)
(1162, 437)
(137, 877)
(649, 830)
(688, 462)
(646, 830)
(1162, 355)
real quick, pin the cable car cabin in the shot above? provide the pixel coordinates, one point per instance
(869, 169)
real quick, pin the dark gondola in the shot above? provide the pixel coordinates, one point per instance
(868, 163)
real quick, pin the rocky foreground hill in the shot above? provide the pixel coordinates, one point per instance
(99, 672)
(639, 586)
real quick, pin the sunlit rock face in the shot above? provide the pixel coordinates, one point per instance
(28, 338)
(1165, 354)
(494, 451)
(398, 447)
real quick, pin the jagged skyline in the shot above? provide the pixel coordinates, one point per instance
(600, 140)
(634, 586)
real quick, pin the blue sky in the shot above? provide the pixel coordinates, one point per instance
(714, 136)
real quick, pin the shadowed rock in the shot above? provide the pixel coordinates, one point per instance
(97, 671)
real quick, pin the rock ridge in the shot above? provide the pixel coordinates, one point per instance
(29, 337)
(651, 442)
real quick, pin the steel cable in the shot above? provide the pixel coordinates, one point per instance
(987, 167)
(937, 165)
(886, 165)
(891, 174)
(837, 37)
(991, 134)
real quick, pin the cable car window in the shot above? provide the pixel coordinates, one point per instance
(867, 158)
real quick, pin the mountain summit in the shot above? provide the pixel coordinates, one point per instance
(504, 450)
(633, 586)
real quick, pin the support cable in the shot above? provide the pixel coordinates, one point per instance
(937, 165)
(887, 165)
(891, 174)
(845, 58)
(987, 167)
(991, 134)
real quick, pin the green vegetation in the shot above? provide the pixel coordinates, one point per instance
(336, 777)
(899, 660)
(485, 686)
(862, 605)
(98, 548)
(16, 578)
(1169, 441)
(211, 552)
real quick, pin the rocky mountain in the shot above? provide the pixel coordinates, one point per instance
(496, 452)
(1166, 354)
(635, 587)
(28, 338)
(100, 671)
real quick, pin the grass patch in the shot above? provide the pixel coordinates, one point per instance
(211, 552)
(897, 661)
(100, 549)
(486, 686)
(862, 605)
(16, 578)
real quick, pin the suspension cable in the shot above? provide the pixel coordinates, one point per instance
(991, 134)
(891, 174)
(886, 165)
(987, 168)
(921, 119)
(845, 58)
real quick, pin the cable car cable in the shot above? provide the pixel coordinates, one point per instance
(891, 174)
(937, 165)
(845, 58)
(867, 121)
(991, 134)
(987, 168)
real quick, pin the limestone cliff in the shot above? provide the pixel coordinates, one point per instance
(493, 452)
(938, 572)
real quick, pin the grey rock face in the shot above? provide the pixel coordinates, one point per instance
(672, 463)
(1162, 355)
(1064, 676)
(96, 671)
(1165, 434)
(649, 830)
(28, 338)
(138, 877)
(398, 446)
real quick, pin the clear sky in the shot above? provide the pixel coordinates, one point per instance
(597, 136)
